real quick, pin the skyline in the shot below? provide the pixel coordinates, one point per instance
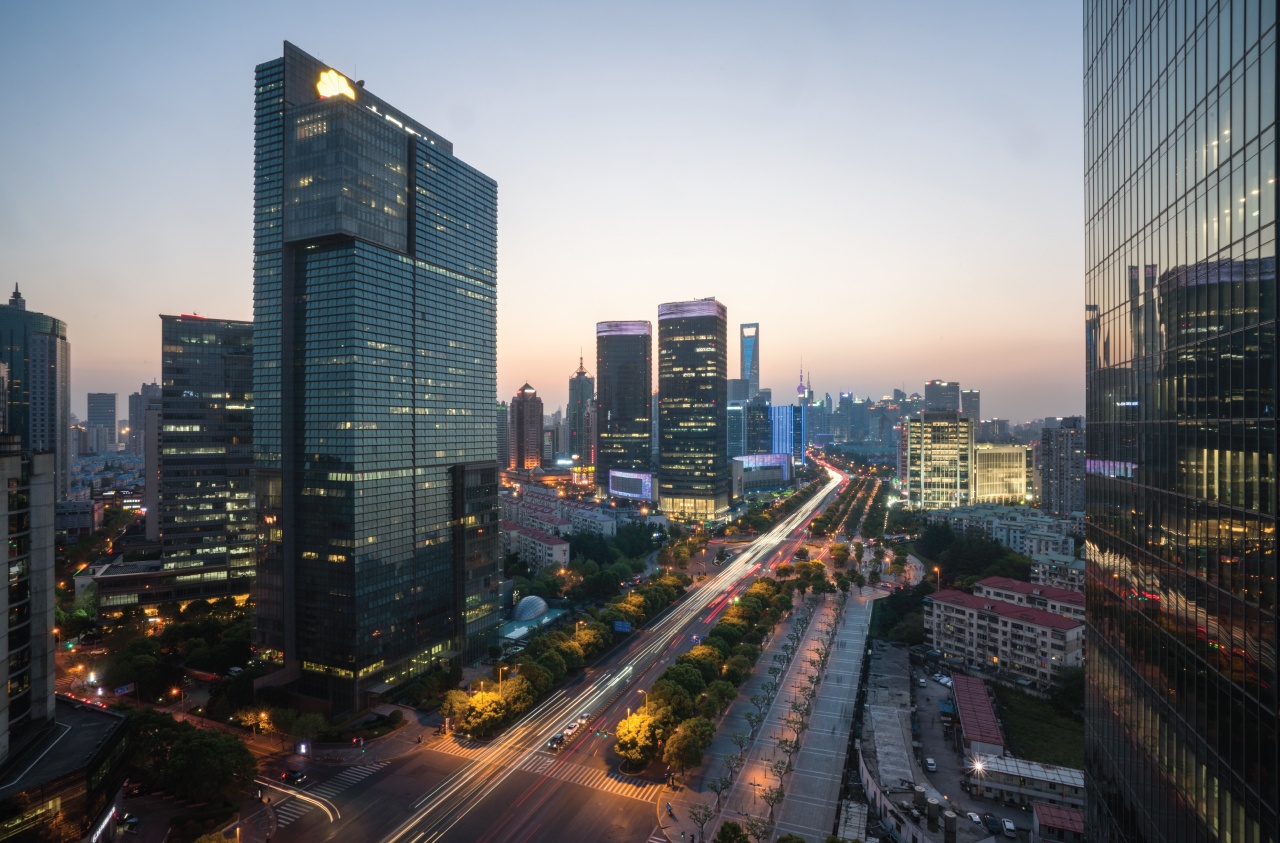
(731, 145)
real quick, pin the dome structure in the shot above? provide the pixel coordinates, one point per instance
(530, 608)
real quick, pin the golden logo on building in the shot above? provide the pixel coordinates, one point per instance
(333, 83)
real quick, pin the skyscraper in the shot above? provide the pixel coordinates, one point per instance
(501, 415)
(1062, 464)
(35, 348)
(138, 403)
(581, 416)
(103, 416)
(374, 378)
(942, 396)
(526, 448)
(759, 425)
(937, 459)
(1180, 195)
(624, 399)
(749, 340)
(207, 517)
(971, 404)
(693, 469)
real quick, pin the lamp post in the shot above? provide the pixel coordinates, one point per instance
(646, 700)
(500, 672)
(937, 571)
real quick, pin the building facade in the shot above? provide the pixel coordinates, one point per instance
(937, 459)
(749, 357)
(103, 415)
(971, 404)
(374, 378)
(207, 519)
(624, 398)
(1062, 465)
(526, 446)
(35, 350)
(581, 414)
(503, 419)
(1002, 474)
(1181, 738)
(942, 396)
(138, 403)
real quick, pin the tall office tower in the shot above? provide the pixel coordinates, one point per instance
(1181, 727)
(207, 517)
(782, 425)
(942, 396)
(1062, 464)
(581, 416)
(739, 390)
(35, 349)
(749, 340)
(138, 402)
(501, 415)
(624, 398)
(971, 404)
(103, 417)
(759, 425)
(526, 430)
(1003, 474)
(27, 637)
(937, 459)
(374, 376)
(736, 429)
(693, 471)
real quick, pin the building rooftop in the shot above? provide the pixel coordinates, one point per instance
(80, 729)
(1049, 592)
(537, 535)
(1062, 559)
(886, 734)
(1012, 611)
(1022, 768)
(977, 717)
(1059, 816)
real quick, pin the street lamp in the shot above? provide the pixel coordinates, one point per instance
(646, 700)
(938, 573)
(500, 672)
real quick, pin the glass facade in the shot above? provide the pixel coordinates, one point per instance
(693, 469)
(749, 359)
(938, 459)
(35, 349)
(374, 380)
(580, 414)
(624, 400)
(206, 503)
(1180, 335)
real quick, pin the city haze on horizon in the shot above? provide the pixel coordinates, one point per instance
(874, 165)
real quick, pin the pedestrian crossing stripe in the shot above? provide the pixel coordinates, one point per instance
(658, 837)
(603, 780)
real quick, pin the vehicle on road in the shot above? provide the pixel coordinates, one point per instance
(556, 742)
(585, 717)
(293, 776)
(921, 681)
(990, 821)
(974, 818)
(570, 728)
(1010, 830)
(931, 765)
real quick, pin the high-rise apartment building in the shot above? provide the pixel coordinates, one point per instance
(971, 404)
(207, 517)
(937, 459)
(374, 378)
(138, 403)
(35, 349)
(693, 470)
(1062, 464)
(942, 396)
(1181, 731)
(526, 426)
(102, 417)
(580, 417)
(749, 339)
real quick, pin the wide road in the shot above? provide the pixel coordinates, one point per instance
(515, 790)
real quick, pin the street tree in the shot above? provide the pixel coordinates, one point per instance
(684, 748)
(761, 702)
(760, 829)
(780, 767)
(718, 786)
(701, 814)
(637, 739)
(772, 796)
(741, 740)
(731, 832)
(754, 719)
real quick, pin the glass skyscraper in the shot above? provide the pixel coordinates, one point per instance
(749, 360)
(1180, 338)
(580, 414)
(34, 347)
(207, 519)
(374, 379)
(624, 400)
(693, 466)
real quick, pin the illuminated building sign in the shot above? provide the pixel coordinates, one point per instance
(635, 485)
(332, 83)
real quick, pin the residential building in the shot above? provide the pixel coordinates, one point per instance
(937, 459)
(693, 471)
(526, 432)
(1021, 529)
(138, 402)
(1060, 601)
(1024, 642)
(624, 398)
(1181, 739)
(942, 397)
(1062, 465)
(1056, 824)
(206, 506)
(539, 550)
(1002, 474)
(1059, 570)
(749, 357)
(77, 519)
(35, 350)
(971, 404)
(103, 417)
(374, 377)
(1018, 782)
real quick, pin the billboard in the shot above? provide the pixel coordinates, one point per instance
(635, 485)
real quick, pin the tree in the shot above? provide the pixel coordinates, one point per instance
(839, 555)
(718, 786)
(456, 704)
(772, 796)
(792, 838)
(760, 829)
(754, 719)
(485, 714)
(701, 814)
(684, 748)
(518, 695)
(741, 740)
(731, 832)
(1069, 694)
(637, 739)
(203, 762)
(780, 767)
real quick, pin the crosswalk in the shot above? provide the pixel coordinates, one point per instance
(543, 764)
(658, 836)
(292, 809)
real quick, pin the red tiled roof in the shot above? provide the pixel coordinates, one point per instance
(1049, 592)
(537, 535)
(977, 717)
(1012, 611)
(1059, 816)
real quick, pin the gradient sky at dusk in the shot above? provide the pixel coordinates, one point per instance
(893, 190)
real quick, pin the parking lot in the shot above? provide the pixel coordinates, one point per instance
(950, 764)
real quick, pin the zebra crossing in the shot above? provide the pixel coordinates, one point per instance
(292, 809)
(541, 763)
(658, 836)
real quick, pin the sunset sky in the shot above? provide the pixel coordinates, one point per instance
(893, 190)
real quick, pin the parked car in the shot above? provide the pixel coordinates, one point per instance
(1010, 830)
(921, 681)
(931, 765)
(990, 821)
(974, 818)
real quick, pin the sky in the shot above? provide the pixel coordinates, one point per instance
(894, 191)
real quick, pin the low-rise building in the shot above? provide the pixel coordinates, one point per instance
(77, 519)
(1021, 529)
(1025, 642)
(1060, 601)
(1056, 824)
(1017, 781)
(537, 549)
(124, 583)
(1059, 570)
(979, 732)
